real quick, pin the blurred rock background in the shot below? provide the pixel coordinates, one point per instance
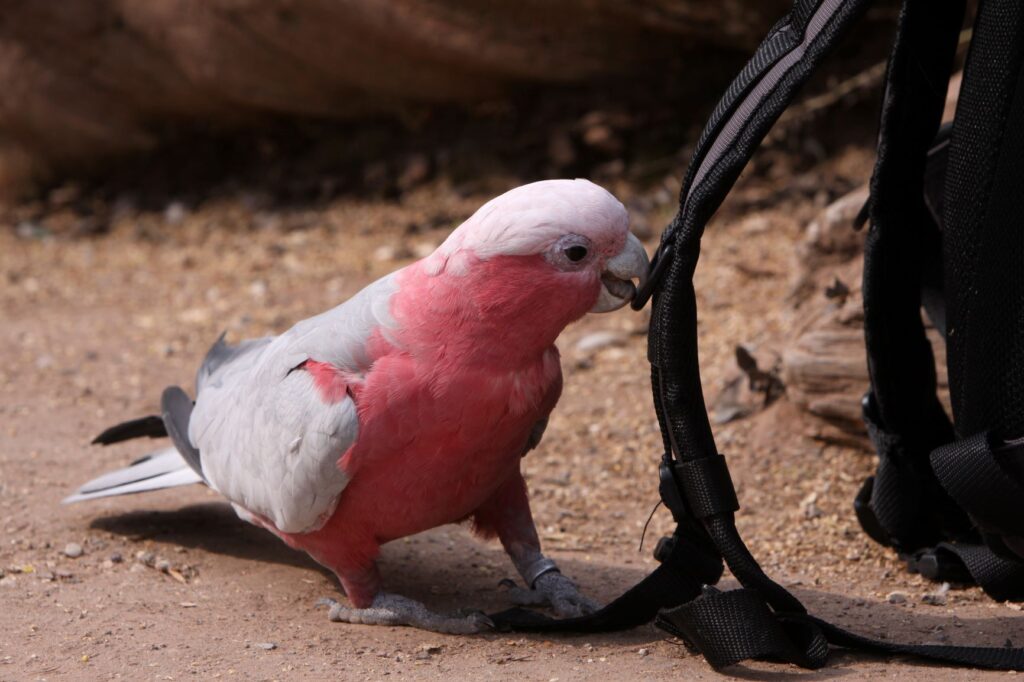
(87, 84)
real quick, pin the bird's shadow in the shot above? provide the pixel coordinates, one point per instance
(447, 570)
(211, 527)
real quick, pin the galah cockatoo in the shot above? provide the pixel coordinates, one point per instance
(408, 406)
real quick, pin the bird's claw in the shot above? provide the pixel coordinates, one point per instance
(394, 609)
(557, 591)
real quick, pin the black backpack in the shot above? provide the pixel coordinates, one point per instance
(944, 234)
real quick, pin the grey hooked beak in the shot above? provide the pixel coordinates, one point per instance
(617, 288)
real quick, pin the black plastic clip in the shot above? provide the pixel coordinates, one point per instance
(671, 495)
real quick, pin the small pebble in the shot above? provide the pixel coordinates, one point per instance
(897, 597)
(595, 341)
(73, 550)
(266, 646)
(643, 652)
(162, 565)
(938, 597)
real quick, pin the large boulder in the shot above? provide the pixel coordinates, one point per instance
(86, 79)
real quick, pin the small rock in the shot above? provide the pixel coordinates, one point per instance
(560, 149)
(266, 646)
(73, 550)
(595, 341)
(175, 213)
(423, 249)
(28, 229)
(387, 252)
(809, 507)
(642, 652)
(144, 557)
(116, 558)
(258, 289)
(896, 597)
(938, 597)
(163, 565)
(415, 172)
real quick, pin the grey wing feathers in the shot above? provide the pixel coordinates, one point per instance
(176, 408)
(260, 433)
(161, 469)
(270, 442)
(222, 356)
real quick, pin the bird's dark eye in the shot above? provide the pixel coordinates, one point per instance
(576, 253)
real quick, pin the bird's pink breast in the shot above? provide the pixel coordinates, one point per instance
(444, 416)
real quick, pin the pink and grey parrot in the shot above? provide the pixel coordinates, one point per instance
(409, 405)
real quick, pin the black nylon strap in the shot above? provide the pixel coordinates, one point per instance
(707, 486)
(969, 472)
(1001, 578)
(902, 500)
(729, 627)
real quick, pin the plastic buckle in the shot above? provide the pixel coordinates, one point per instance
(666, 545)
(866, 515)
(938, 566)
(670, 493)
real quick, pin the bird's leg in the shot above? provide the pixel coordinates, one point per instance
(370, 606)
(394, 609)
(507, 515)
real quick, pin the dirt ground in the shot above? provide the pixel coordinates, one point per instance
(171, 585)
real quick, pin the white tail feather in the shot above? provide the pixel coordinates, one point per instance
(161, 469)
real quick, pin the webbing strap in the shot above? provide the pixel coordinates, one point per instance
(969, 472)
(729, 627)
(1001, 578)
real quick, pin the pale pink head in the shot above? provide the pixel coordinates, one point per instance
(571, 234)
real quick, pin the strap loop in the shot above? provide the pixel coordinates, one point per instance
(969, 472)
(707, 485)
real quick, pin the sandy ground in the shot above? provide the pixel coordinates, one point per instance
(171, 585)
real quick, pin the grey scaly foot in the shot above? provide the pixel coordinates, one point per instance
(555, 590)
(394, 609)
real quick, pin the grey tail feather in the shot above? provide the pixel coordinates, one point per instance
(151, 426)
(161, 469)
(176, 409)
